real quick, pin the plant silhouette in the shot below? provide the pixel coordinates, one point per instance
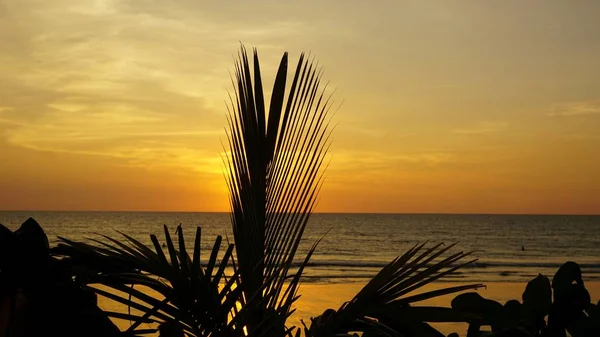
(38, 297)
(275, 164)
(571, 311)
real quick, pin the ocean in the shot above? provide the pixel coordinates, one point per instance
(510, 248)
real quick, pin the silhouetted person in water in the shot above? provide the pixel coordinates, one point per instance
(522, 248)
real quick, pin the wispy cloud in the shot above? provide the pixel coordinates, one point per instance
(576, 109)
(367, 132)
(368, 160)
(143, 82)
(583, 137)
(137, 138)
(10, 122)
(483, 128)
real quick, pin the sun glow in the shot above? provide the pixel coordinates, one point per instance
(113, 118)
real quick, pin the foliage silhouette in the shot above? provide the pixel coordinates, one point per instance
(274, 171)
(571, 311)
(38, 297)
(186, 293)
(275, 166)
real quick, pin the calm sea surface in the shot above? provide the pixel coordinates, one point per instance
(356, 246)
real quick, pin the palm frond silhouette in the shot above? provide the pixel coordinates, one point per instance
(275, 165)
(274, 173)
(191, 295)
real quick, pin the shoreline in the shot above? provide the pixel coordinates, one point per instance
(317, 297)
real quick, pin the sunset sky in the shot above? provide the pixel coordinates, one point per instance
(448, 106)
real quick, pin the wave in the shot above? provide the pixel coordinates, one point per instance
(474, 265)
(530, 264)
(451, 278)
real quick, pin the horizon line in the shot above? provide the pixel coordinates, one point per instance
(354, 213)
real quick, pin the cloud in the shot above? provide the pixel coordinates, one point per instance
(136, 137)
(581, 136)
(576, 109)
(483, 128)
(140, 81)
(6, 120)
(357, 131)
(361, 160)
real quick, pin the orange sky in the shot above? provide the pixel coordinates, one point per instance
(453, 107)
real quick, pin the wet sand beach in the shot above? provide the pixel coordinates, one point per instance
(318, 297)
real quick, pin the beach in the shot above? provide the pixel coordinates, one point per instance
(318, 297)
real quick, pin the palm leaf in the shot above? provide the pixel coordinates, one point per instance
(187, 294)
(274, 172)
(384, 297)
(275, 168)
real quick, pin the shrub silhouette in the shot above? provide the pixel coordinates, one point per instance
(538, 314)
(38, 297)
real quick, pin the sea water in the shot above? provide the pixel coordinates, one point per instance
(509, 248)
